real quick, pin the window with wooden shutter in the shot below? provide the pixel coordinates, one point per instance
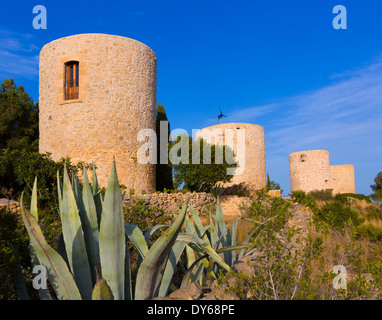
(71, 82)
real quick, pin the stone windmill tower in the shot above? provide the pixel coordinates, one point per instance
(97, 92)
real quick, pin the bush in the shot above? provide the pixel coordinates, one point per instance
(18, 170)
(13, 252)
(344, 197)
(145, 216)
(373, 213)
(322, 195)
(306, 199)
(377, 188)
(18, 118)
(338, 215)
(368, 231)
(280, 270)
(266, 207)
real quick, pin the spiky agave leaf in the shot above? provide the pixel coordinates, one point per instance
(203, 247)
(136, 236)
(58, 273)
(223, 231)
(172, 261)
(188, 274)
(152, 267)
(43, 293)
(101, 290)
(98, 200)
(112, 242)
(89, 222)
(74, 240)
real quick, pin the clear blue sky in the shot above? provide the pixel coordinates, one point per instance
(278, 64)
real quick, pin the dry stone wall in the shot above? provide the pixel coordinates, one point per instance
(172, 202)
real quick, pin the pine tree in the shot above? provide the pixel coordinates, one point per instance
(18, 118)
(377, 188)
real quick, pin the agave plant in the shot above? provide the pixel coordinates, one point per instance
(92, 259)
(209, 248)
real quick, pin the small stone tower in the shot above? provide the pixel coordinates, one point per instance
(309, 170)
(248, 144)
(96, 92)
(342, 178)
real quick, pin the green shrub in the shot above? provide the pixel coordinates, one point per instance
(344, 197)
(306, 199)
(368, 231)
(265, 208)
(280, 271)
(323, 195)
(13, 252)
(145, 216)
(18, 170)
(373, 213)
(338, 215)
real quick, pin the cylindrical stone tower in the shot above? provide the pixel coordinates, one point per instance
(96, 92)
(342, 178)
(309, 170)
(248, 144)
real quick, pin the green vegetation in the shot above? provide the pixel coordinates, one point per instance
(18, 118)
(338, 215)
(377, 188)
(93, 260)
(338, 211)
(151, 254)
(206, 166)
(18, 169)
(293, 263)
(13, 254)
(88, 221)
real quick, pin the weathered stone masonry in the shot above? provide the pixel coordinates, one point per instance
(117, 98)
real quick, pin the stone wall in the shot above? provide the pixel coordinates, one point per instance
(249, 149)
(172, 202)
(342, 178)
(10, 204)
(117, 98)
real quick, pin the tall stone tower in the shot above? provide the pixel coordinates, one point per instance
(342, 178)
(309, 170)
(96, 92)
(248, 143)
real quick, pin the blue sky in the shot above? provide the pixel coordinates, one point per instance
(278, 64)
